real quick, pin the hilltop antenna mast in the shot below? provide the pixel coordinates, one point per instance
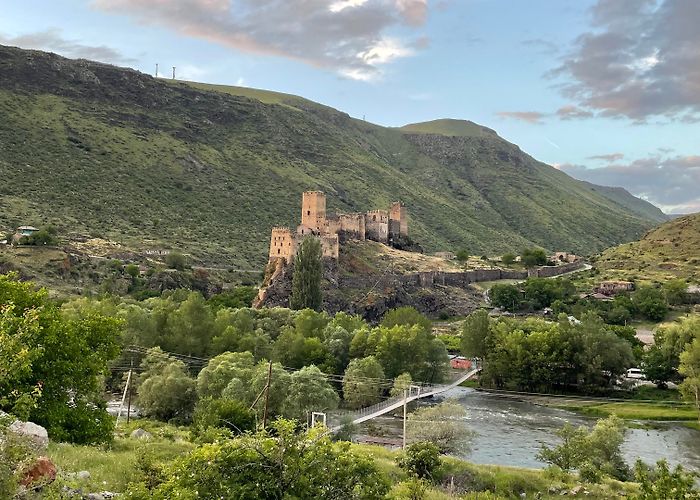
(156, 70)
(173, 72)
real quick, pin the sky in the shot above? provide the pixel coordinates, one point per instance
(605, 90)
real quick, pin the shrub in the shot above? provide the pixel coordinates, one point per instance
(421, 459)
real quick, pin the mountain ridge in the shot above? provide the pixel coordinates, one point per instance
(104, 151)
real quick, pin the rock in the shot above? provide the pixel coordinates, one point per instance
(523, 495)
(576, 490)
(95, 496)
(36, 434)
(140, 434)
(83, 475)
(41, 473)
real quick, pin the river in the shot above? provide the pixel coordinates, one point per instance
(511, 432)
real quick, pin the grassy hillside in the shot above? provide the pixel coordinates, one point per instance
(669, 251)
(109, 152)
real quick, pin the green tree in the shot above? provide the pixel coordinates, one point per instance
(190, 327)
(476, 334)
(279, 464)
(508, 259)
(132, 270)
(507, 297)
(462, 255)
(409, 349)
(660, 483)
(532, 257)
(676, 292)
(650, 302)
(442, 425)
(421, 459)
(689, 368)
(309, 391)
(363, 382)
(176, 260)
(223, 369)
(239, 297)
(408, 316)
(231, 416)
(53, 365)
(166, 391)
(401, 384)
(248, 391)
(306, 280)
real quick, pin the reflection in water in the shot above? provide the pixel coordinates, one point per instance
(510, 432)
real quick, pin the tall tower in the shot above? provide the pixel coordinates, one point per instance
(397, 214)
(313, 209)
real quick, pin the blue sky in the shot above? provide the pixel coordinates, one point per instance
(606, 90)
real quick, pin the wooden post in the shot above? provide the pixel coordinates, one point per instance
(128, 407)
(267, 393)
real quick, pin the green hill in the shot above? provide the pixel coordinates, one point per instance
(102, 151)
(666, 252)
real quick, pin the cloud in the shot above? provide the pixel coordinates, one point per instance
(573, 112)
(53, 41)
(534, 117)
(670, 183)
(610, 158)
(640, 60)
(345, 36)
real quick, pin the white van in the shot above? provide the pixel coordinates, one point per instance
(635, 373)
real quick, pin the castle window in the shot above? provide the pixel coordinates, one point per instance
(308, 212)
(278, 251)
(374, 217)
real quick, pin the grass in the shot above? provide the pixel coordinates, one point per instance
(208, 170)
(636, 411)
(112, 468)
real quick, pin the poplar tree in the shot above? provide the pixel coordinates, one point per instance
(306, 280)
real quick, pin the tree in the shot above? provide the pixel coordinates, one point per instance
(401, 384)
(309, 391)
(476, 334)
(306, 280)
(598, 450)
(462, 255)
(52, 366)
(132, 270)
(239, 297)
(166, 391)
(650, 302)
(507, 297)
(228, 415)
(508, 259)
(442, 425)
(248, 391)
(407, 316)
(409, 349)
(532, 257)
(363, 382)
(223, 369)
(676, 292)
(276, 464)
(689, 368)
(421, 459)
(660, 483)
(176, 260)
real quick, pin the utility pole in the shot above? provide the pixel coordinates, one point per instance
(267, 392)
(156, 70)
(405, 400)
(121, 405)
(173, 72)
(128, 407)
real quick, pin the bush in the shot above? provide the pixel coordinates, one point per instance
(226, 414)
(421, 459)
(175, 260)
(508, 259)
(167, 392)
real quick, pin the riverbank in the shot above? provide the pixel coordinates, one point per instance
(112, 468)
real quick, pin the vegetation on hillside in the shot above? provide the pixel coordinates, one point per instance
(668, 252)
(97, 150)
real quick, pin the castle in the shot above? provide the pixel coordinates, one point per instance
(384, 226)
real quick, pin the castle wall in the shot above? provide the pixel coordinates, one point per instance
(377, 225)
(330, 246)
(313, 209)
(398, 214)
(282, 244)
(353, 224)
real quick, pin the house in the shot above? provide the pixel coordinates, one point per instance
(460, 363)
(614, 287)
(26, 230)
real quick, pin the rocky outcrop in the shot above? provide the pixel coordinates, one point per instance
(35, 434)
(41, 473)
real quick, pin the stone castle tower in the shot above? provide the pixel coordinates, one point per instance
(384, 226)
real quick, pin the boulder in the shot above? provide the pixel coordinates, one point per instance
(140, 434)
(41, 473)
(83, 475)
(35, 434)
